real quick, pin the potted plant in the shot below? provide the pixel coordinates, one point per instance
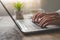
(18, 6)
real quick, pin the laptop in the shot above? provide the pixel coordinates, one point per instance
(27, 26)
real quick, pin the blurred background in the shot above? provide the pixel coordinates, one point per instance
(47, 5)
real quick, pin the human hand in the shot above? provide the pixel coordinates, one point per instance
(37, 16)
(49, 20)
(44, 19)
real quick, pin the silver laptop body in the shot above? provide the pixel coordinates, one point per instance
(27, 26)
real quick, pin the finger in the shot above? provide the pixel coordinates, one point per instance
(42, 19)
(39, 20)
(46, 19)
(37, 16)
(53, 22)
(40, 15)
(34, 17)
(49, 23)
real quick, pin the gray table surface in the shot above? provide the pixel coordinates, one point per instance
(8, 30)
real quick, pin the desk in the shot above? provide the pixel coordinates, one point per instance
(9, 30)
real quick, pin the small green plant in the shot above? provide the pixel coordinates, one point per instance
(18, 6)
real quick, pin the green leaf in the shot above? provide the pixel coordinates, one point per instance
(18, 6)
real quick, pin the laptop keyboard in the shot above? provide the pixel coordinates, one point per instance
(29, 25)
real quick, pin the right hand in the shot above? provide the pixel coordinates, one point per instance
(49, 20)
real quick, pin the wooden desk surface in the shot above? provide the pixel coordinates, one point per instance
(52, 36)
